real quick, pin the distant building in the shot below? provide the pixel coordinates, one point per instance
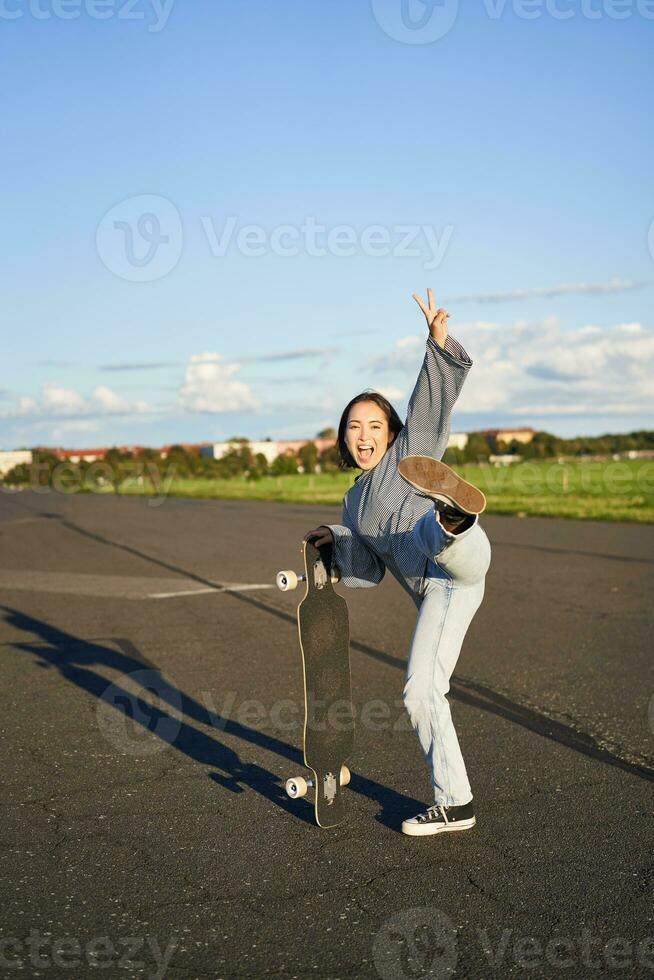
(270, 448)
(100, 452)
(523, 435)
(505, 459)
(14, 457)
(216, 450)
(86, 455)
(294, 445)
(457, 440)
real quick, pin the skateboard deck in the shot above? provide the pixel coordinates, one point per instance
(324, 631)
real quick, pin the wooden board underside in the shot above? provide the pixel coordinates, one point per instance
(329, 723)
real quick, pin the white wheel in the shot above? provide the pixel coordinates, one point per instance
(296, 787)
(346, 775)
(286, 581)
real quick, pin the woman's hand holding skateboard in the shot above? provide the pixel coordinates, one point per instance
(436, 318)
(319, 536)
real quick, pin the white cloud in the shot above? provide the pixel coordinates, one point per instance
(26, 406)
(60, 401)
(532, 368)
(62, 430)
(388, 391)
(110, 401)
(209, 386)
(578, 408)
(403, 357)
(570, 288)
(307, 407)
(56, 402)
(410, 342)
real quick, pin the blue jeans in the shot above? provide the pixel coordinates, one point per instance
(453, 591)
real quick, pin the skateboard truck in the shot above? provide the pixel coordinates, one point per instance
(298, 786)
(288, 580)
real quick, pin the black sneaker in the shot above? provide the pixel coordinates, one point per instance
(439, 819)
(451, 519)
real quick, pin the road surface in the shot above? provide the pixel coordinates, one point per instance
(151, 711)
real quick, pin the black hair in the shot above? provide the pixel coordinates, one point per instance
(395, 423)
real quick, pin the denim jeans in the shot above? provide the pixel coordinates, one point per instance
(453, 591)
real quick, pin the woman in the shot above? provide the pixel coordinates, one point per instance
(410, 513)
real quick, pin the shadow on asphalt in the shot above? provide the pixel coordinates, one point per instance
(462, 689)
(74, 657)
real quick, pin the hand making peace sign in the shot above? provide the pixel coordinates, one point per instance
(436, 318)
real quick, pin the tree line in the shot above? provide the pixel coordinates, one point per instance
(240, 461)
(118, 466)
(545, 445)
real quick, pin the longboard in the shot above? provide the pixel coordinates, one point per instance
(324, 632)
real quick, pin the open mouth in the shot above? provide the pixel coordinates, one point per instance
(365, 452)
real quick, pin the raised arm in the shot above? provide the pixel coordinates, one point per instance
(443, 372)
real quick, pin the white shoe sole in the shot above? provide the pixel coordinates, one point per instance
(429, 829)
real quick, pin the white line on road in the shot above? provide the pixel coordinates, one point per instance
(223, 588)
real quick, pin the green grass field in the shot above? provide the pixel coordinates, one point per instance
(612, 490)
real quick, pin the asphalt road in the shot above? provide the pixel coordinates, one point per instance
(148, 834)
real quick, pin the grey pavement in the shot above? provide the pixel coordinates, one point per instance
(151, 692)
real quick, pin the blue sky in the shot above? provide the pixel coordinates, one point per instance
(503, 159)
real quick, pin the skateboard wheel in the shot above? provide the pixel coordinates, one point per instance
(296, 787)
(286, 581)
(346, 775)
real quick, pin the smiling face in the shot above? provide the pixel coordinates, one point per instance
(367, 434)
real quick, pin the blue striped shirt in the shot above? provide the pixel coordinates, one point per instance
(381, 507)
